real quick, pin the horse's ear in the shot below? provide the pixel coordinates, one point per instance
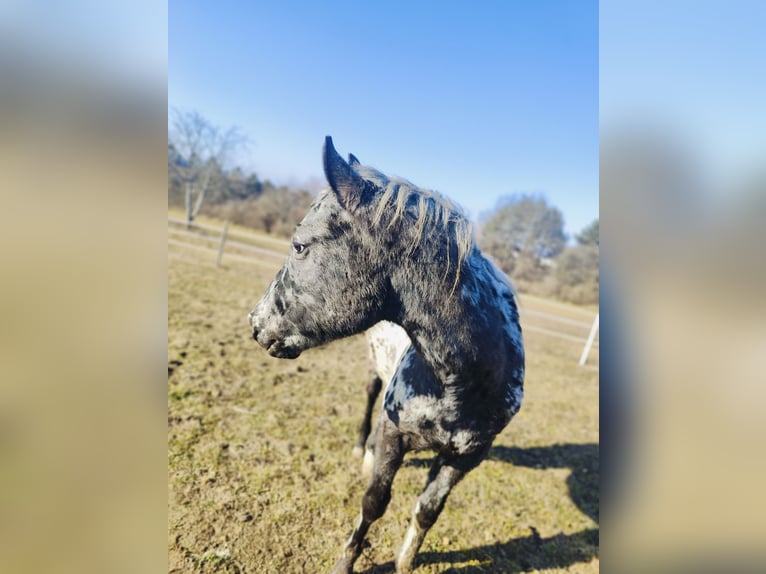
(353, 161)
(348, 185)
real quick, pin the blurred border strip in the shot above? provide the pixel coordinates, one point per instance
(683, 201)
(83, 296)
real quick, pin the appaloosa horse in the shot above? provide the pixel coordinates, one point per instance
(375, 248)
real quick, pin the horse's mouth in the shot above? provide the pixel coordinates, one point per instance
(281, 350)
(281, 347)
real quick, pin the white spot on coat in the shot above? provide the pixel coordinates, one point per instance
(368, 462)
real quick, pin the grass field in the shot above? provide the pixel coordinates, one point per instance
(260, 473)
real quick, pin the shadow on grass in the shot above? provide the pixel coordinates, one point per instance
(532, 552)
(581, 459)
(517, 555)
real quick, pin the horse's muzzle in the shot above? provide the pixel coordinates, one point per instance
(274, 342)
(254, 327)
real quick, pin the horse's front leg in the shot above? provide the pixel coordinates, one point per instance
(441, 478)
(389, 454)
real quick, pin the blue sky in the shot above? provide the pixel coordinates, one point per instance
(474, 99)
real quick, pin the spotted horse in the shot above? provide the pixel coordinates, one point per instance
(375, 248)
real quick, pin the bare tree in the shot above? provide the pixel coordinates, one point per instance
(201, 149)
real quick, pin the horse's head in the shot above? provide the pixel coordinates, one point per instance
(332, 284)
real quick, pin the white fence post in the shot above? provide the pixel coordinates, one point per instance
(589, 342)
(223, 241)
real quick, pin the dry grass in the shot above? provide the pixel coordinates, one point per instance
(260, 473)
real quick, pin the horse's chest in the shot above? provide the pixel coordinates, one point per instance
(432, 420)
(460, 417)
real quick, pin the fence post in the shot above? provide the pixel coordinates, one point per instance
(589, 342)
(223, 241)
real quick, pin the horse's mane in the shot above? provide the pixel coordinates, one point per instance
(432, 211)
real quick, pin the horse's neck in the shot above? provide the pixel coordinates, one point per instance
(465, 332)
(439, 324)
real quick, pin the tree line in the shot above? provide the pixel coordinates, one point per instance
(524, 234)
(200, 179)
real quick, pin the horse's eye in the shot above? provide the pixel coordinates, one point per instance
(299, 248)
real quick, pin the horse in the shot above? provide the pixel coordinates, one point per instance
(374, 248)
